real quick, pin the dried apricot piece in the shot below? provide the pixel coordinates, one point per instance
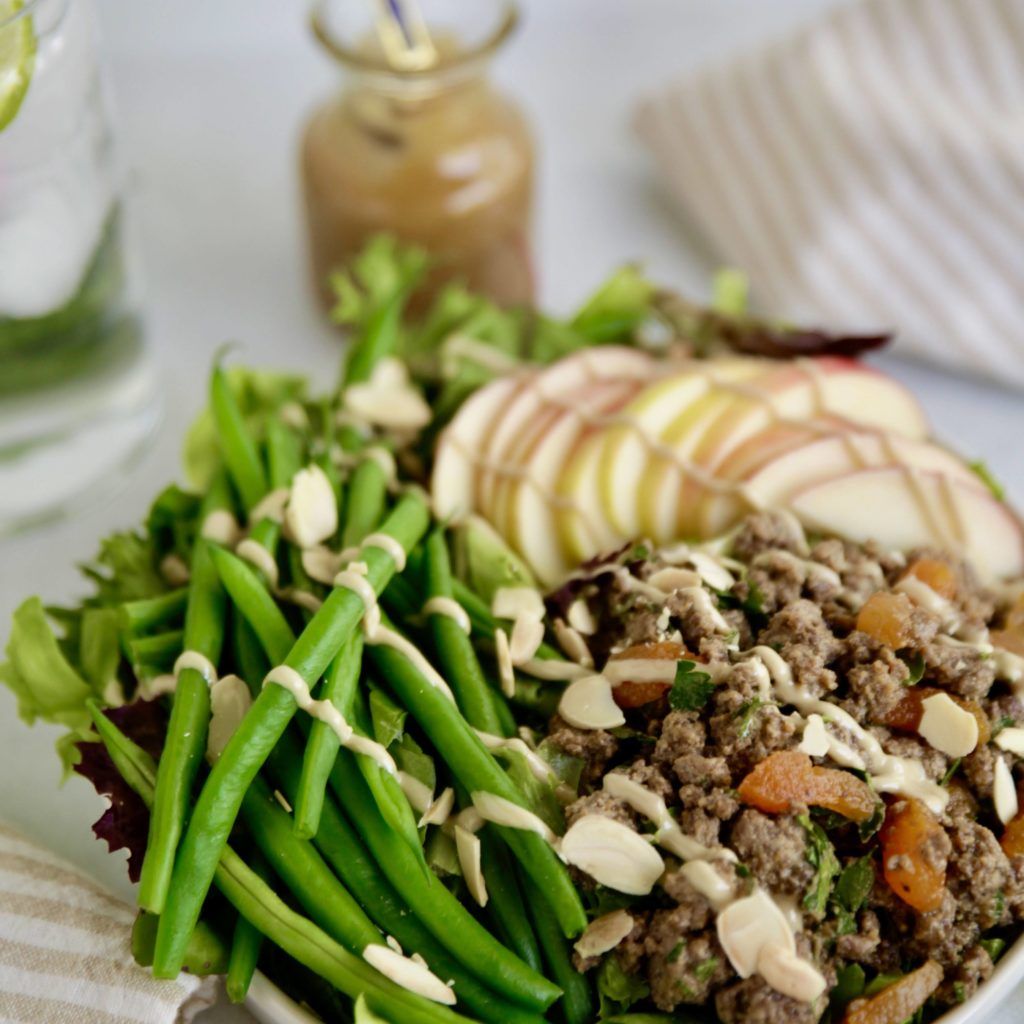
(788, 778)
(634, 693)
(886, 617)
(899, 1001)
(938, 575)
(1015, 616)
(1008, 640)
(1013, 837)
(906, 713)
(913, 859)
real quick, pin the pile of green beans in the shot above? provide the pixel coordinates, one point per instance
(315, 847)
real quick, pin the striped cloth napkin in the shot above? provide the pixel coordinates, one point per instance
(65, 955)
(867, 173)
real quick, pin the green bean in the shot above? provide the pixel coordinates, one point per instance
(473, 765)
(284, 453)
(246, 946)
(237, 446)
(484, 623)
(576, 1003)
(299, 937)
(379, 338)
(159, 650)
(150, 612)
(506, 901)
(449, 921)
(133, 764)
(458, 660)
(322, 746)
(266, 533)
(206, 955)
(185, 744)
(303, 870)
(351, 861)
(221, 796)
(364, 502)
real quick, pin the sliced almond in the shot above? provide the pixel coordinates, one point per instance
(747, 926)
(581, 618)
(388, 399)
(230, 700)
(174, 570)
(513, 602)
(506, 669)
(588, 703)
(1010, 739)
(527, 636)
(604, 933)
(221, 527)
(497, 809)
(311, 515)
(790, 974)
(409, 974)
(270, 506)
(641, 670)
(612, 854)
(440, 810)
(1004, 792)
(572, 643)
(948, 727)
(673, 578)
(467, 845)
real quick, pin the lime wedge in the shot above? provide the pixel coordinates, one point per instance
(17, 56)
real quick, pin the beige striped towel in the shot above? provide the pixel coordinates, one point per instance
(868, 172)
(65, 954)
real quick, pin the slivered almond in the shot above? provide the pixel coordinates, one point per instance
(581, 618)
(747, 926)
(948, 727)
(612, 854)
(1010, 739)
(512, 602)
(604, 933)
(467, 845)
(527, 636)
(1004, 792)
(311, 515)
(588, 703)
(572, 643)
(506, 669)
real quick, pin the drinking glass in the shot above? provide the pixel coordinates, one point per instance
(77, 391)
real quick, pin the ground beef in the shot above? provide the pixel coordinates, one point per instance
(683, 969)
(876, 687)
(776, 579)
(981, 875)
(694, 620)
(962, 982)
(800, 634)
(774, 849)
(861, 946)
(746, 732)
(935, 763)
(979, 769)
(754, 1002)
(961, 670)
(603, 803)
(594, 747)
(764, 531)
(681, 732)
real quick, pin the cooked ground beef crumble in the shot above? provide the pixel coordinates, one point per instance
(804, 605)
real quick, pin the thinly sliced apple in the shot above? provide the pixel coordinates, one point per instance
(583, 526)
(532, 496)
(904, 508)
(798, 392)
(631, 446)
(553, 387)
(460, 446)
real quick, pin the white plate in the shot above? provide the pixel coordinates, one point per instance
(270, 1005)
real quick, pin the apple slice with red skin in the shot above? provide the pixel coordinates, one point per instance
(828, 455)
(532, 502)
(904, 508)
(456, 470)
(553, 387)
(798, 392)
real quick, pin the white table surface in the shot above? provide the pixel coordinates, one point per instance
(211, 99)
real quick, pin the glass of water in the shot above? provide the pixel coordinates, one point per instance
(77, 388)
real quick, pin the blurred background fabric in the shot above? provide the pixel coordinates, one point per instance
(867, 171)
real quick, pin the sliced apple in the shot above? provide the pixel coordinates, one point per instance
(532, 497)
(904, 508)
(460, 446)
(583, 526)
(552, 388)
(794, 393)
(632, 445)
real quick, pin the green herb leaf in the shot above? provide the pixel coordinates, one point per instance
(745, 716)
(617, 990)
(823, 859)
(388, 718)
(950, 772)
(994, 948)
(855, 883)
(567, 769)
(915, 666)
(616, 309)
(1006, 722)
(706, 968)
(882, 982)
(691, 689)
(412, 759)
(850, 983)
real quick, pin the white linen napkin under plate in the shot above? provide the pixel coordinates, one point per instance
(65, 955)
(868, 172)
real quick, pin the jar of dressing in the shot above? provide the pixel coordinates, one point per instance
(419, 143)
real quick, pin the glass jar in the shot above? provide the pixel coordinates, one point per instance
(434, 154)
(76, 387)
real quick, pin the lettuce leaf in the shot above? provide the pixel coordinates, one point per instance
(615, 311)
(384, 269)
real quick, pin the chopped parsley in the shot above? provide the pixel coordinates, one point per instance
(705, 969)
(746, 715)
(850, 983)
(959, 992)
(616, 989)
(994, 948)
(950, 772)
(1006, 722)
(822, 858)
(852, 889)
(677, 951)
(691, 689)
(915, 666)
(999, 905)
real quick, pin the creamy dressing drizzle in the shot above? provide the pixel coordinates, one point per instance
(197, 661)
(388, 545)
(450, 608)
(253, 552)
